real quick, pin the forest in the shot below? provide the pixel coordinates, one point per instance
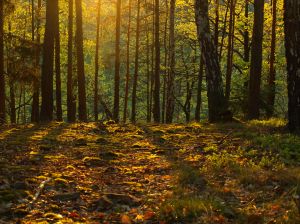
(150, 111)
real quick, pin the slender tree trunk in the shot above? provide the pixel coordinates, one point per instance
(246, 33)
(80, 63)
(57, 69)
(2, 78)
(47, 67)
(152, 64)
(117, 64)
(96, 94)
(12, 103)
(170, 106)
(215, 92)
(272, 72)
(36, 87)
(292, 45)
(256, 61)
(24, 106)
(156, 93)
(127, 63)
(166, 63)
(148, 77)
(217, 20)
(199, 90)
(220, 50)
(230, 50)
(136, 63)
(71, 101)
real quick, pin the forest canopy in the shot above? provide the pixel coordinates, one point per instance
(137, 60)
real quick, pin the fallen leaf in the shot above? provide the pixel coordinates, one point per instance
(125, 219)
(149, 215)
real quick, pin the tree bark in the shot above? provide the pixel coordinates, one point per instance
(170, 106)
(256, 61)
(48, 62)
(71, 101)
(57, 68)
(36, 88)
(230, 50)
(2, 78)
(272, 72)
(136, 63)
(127, 63)
(156, 92)
(80, 64)
(246, 33)
(96, 88)
(199, 90)
(292, 45)
(215, 92)
(117, 64)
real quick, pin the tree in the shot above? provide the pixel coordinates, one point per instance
(215, 92)
(272, 72)
(127, 62)
(292, 44)
(57, 68)
(256, 61)
(136, 63)
(171, 78)
(71, 102)
(117, 64)
(96, 94)
(36, 88)
(230, 50)
(47, 66)
(80, 63)
(246, 33)
(156, 92)
(2, 78)
(199, 90)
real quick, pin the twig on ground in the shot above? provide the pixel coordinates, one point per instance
(38, 192)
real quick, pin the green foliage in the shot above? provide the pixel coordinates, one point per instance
(188, 209)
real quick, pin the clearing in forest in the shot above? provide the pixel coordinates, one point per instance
(110, 173)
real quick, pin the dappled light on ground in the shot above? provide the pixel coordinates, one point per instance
(109, 173)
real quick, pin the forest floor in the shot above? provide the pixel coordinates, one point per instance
(109, 173)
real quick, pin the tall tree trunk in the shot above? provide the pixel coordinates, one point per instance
(256, 61)
(117, 64)
(71, 101)
(166, 70)
(217, 20)
(170, 106)
(292, 44)
(215, 92)
(2, 78)
(156, 92)
(199, 90)
(96, 94)
(80, 64)
(148, 77)
(246, 33)
(12, 103)
(230, 50)
(136, 63)
(127, 63)
(36, 87)
(57, 69)
(47, 67)
(152, 64)
(272, 72)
